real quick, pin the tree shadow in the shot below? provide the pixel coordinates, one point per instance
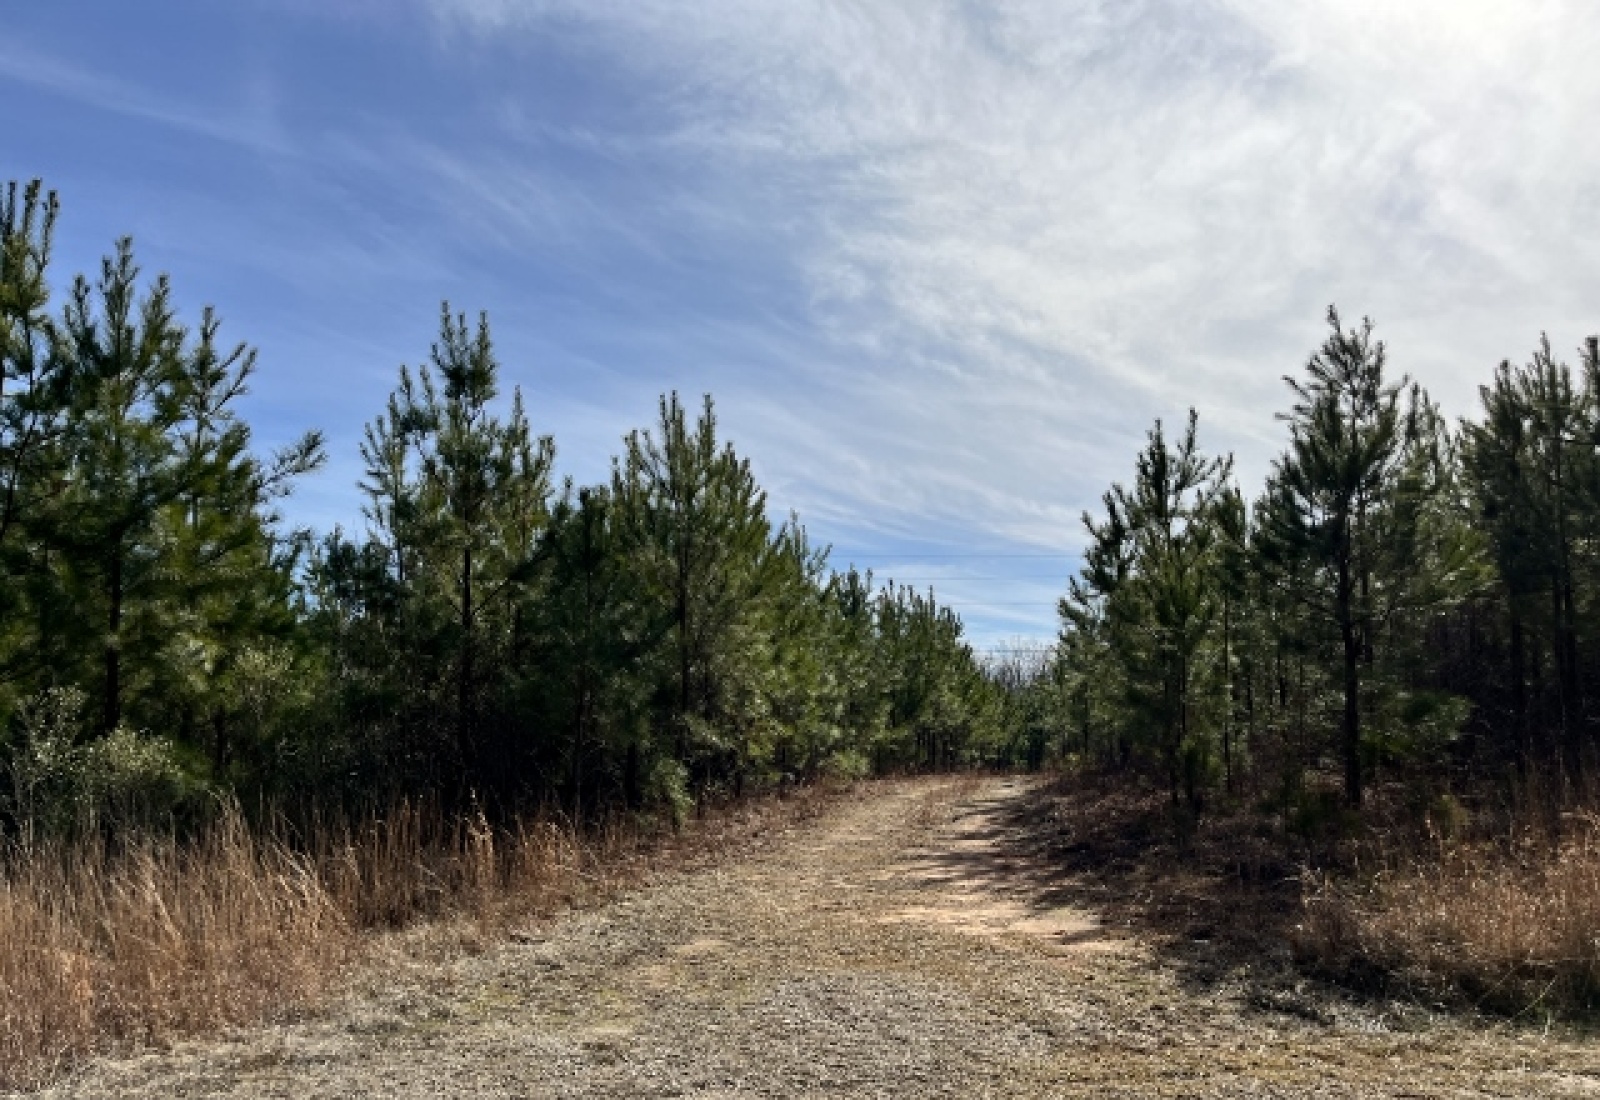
(1217, 900)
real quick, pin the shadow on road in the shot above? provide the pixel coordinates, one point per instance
(1220, 906)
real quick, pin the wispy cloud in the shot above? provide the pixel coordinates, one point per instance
(253, 124)
(940, 261)
(1043, 222)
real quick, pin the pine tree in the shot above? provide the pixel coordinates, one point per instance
(1231, 523)
(34, 391)
(32, 376)
(114, 528)
(231, 581)
(697, 524)
(1351, 500)
(1532, 468)
(1149, 588)
(459, 496)
(591, 641)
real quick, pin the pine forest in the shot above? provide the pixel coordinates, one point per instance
(1380, 665)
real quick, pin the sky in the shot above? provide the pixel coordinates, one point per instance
(940, 263)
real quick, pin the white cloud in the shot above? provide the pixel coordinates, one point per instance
(1030, 228)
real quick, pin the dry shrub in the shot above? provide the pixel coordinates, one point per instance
(160, 939)
(100, 949)
(415, 863)
(1508, 926)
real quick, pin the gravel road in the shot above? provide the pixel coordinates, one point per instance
(901, 945)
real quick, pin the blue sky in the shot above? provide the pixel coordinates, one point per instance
(940, 263)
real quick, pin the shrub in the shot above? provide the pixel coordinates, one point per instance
(60, 783)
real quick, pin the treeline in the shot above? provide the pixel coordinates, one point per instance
(489, 638)
(1403, 597)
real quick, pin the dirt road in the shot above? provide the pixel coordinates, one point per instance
(900, 946)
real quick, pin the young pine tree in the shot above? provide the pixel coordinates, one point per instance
(1347, 524)
(34, 391)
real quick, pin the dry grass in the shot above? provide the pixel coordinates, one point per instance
(1508, 925)
(1494, 905)
(159, 940)
(100, 950)
(1213, 894)
(1498, 909)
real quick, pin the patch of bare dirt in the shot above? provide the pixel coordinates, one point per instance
(920, 940)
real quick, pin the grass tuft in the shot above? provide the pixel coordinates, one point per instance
(160, 939)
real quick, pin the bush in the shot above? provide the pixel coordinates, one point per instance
(849, 764)
(60, 783)
(668, 787)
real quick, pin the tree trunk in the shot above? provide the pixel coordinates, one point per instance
(464, 681)
(219, 746)
(1574, 682)
(1228, 692)
(111, 702)
(1521, 728)
(1571, 747)
(1351, 731)
(1352, 715)
(682, 611)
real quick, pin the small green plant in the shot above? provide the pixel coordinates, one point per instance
(132, 780)
(61, 782)
(45, 761)
(668, 787)
(1446, 818)
(1322, 819)
(847, 764)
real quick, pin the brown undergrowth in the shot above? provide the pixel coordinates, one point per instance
(102, 950)
(1503, 916)
(1485, 906)
(1212, 894)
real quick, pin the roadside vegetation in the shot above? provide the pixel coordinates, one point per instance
(1372, 678)
(226, 745)
(245, 921)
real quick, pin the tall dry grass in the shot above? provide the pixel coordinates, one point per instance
(160, 939)
(1508, 922)
(101, 949)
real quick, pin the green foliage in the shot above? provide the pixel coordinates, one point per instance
(1146, 606)
(34, 380)
(43, 761)
(1399, 597)
(668, 787)
(1533, 473)
(1259, 646)
(484, 642)
(847, 764)
(61, 781)
(1352, 529)
(646, 642)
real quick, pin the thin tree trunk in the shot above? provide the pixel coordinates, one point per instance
(464, 682)
(1352, 715)
(1571, 754)
(1353, 647)
(1227, 677)
(1519, 697)
(111, 702)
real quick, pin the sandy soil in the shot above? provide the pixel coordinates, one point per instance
(906, 944)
